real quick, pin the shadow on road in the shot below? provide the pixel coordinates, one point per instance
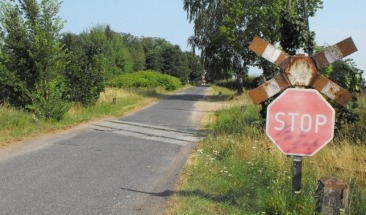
(187, 97)
(191, 97)
(229, 198)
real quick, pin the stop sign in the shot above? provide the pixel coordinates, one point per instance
(300, 122)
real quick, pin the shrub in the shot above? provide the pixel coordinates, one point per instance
(230, 84)
(146, 79)
(52, 106)
(249, 82)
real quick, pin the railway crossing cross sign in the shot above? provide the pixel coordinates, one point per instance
(300, 71)
(297, 112)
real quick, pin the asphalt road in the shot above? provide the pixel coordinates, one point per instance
(121, 166)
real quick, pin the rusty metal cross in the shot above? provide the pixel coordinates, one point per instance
(301, 70)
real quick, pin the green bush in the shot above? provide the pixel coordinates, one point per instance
(146, 79)
(249, 82)
(230, 84)
(52, 108)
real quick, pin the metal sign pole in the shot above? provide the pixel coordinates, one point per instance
(297, 174)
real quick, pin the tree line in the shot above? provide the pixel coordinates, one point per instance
(45, 71)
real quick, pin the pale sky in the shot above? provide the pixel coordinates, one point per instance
(338, 20)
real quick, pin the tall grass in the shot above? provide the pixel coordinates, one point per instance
(112, 102)
(356, 132)
(17, 125)
(237, 170)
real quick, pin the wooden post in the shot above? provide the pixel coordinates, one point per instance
(331, 196)
(114, 100)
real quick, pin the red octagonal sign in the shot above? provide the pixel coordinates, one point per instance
(300, 122)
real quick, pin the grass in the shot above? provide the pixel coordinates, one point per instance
(237, 170)
(16, 125)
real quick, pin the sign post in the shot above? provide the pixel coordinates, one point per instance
(300, 122)
(296, 174)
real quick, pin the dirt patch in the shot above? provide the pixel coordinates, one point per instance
(204, 110)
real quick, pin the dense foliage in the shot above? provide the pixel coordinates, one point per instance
(45, 72)
(31, 59)
(146, 79)
(169, 59)
(224, 29)
(249, 83)
(94, 56)
(348, 76)
(295, 32)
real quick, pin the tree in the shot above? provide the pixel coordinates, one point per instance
(153, 48)
(84, 67)
(134, 45)
(94, 57)
(166, 58)
(207, 16)
(110, 44)
(32, 59)
(195, 67)
(218, 27)
(348, 76)
(175, 63)
(295, 29)
(117, 53)
(224, 29)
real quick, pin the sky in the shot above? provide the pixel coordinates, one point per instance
(338, 20)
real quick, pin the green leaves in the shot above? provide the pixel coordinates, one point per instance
(95, 56)
(224, 29)
(347, 75)
(166, 58)
(146, 79)
(295, 34)
(54, 106)
(32, 59)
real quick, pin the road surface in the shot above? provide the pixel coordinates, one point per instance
(121, 166)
